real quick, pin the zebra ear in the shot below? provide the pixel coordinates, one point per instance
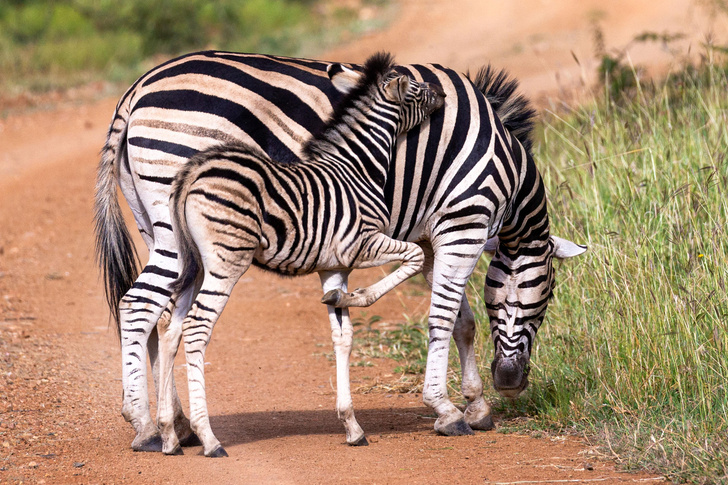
(491, 245)
(564, 248)
(397, 88)
(343, 78)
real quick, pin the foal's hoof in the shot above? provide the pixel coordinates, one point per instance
(176, 451)
(190, 440)
(483, 424)
(360, 442)
(153, 443)
(332, 297)
(218, 452)
(456, 428)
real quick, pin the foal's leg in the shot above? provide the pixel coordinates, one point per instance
(173, 425)
(342, 333)
(378, 250)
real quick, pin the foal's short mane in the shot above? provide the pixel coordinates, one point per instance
(373, 71)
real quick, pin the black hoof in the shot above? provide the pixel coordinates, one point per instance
(360, 442)
(485, 424)
(457, 428)
(153, 444)
(331, 297)
(190, 440)
(177, 451)
(218, 452)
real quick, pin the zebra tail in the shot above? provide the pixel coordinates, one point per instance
(190, 261)
(115, 251)
(513, 109)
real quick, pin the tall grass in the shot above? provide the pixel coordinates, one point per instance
(634, 350)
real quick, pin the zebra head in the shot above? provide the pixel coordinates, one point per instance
(519, 285)
(416, 101)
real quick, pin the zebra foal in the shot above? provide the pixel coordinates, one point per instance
(233, 206)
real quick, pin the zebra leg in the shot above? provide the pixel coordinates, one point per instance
(342, 333)
(181, 423)
(477, 413)
(169, 408)
(448, 286)
(140, 309)
(379, 249)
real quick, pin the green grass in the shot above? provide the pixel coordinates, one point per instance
(46, 45)
(634, 350)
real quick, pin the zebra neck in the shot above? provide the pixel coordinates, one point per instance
(364, 149)
(525, 228)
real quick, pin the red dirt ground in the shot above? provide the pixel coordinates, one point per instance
(269, 382)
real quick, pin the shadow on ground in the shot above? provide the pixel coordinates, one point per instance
(242, 428)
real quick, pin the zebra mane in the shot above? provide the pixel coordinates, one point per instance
(513, 109)
(375, 68)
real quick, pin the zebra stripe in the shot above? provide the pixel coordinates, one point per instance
(453, 184)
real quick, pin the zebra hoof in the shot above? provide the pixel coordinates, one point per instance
(483, 424)
(332, 297)
(360, 442)
(151, 444)
(218, 452)
(456, 428)
(190, 440)
(176, 451)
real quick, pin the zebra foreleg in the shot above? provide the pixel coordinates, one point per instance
(448, 287)
(477, 413)
(380, 249)
(342, 333)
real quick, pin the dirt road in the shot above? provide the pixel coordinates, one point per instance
(269, 381)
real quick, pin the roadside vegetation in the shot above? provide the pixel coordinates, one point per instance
(634, 350)
(47, 45)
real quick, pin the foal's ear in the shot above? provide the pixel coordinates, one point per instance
(343, 78)
(491, 245)
(564, 248)
(396, 89)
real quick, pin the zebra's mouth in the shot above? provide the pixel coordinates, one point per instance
(510, 374)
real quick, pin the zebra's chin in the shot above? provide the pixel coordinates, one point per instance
(510, 374)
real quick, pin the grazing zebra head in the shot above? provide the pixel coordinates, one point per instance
(519, 285)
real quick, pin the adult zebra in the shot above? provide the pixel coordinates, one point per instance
(457, 181)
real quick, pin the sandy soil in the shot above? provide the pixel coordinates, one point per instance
(269, 380)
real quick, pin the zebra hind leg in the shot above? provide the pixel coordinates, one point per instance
(140, 309)
(175, 432)
(181, 423)
(342, 333)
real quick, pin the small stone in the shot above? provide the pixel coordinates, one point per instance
(78, 464)
(588, 466)
(32, 464)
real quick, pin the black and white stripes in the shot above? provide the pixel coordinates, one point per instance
(454, 183)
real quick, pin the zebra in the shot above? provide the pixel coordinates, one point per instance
(232, 205)
(463, 184)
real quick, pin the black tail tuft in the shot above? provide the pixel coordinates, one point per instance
(513, 109)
